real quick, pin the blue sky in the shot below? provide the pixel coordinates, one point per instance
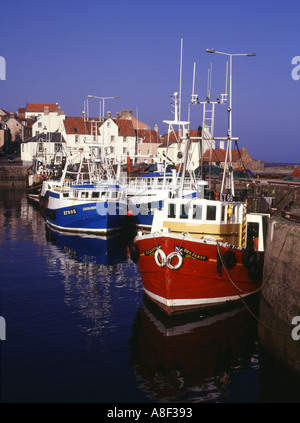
(61, 51)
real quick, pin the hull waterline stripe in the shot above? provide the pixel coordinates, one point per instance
(195, 301)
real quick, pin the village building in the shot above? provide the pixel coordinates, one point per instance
(148, 142)
(240, 158)
(4, 136)
(36, 110)
(46, 148)
(48, 121)
(173, 146)
(3, 114)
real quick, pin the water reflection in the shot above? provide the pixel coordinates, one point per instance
(96, 273)
(193, 358)
(88, 248)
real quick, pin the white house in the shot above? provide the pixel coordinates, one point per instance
(48, 122)
(112, 138)
(45, 147)
(36, 110)
(174, 143)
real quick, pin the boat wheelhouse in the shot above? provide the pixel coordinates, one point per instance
(147, 193)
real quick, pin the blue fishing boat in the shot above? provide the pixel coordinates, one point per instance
(90, 200)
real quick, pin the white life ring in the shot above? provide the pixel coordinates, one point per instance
(170, 258)
(160, 258)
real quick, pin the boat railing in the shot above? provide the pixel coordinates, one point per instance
(157, 182)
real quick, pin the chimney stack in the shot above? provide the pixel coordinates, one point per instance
(46, 110)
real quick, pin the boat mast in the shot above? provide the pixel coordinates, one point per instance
(208, 127)
(182, 125)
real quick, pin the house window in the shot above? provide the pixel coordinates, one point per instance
(39, 124)
(57, 147)
(76, 138)
(124, 139)
(124, 150)
(112, 138)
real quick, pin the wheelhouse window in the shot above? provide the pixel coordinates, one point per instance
(197, 211)
(223, 213)
(211, 213)
(95, 194)
(184, 211)
(171, 210)
(114, 194)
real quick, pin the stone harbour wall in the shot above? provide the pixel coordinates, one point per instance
(9, 175)
(280, 294)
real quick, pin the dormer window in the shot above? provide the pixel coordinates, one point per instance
(75, 129)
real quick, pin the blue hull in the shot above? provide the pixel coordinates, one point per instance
(88, 218)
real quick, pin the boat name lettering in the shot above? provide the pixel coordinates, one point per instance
(226, 197)
(89, 208)
(186, 253)
(152, 250)
(69, 212)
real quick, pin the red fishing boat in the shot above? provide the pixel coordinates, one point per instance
(203, 252)
(181, 272)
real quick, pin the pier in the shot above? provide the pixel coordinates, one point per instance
(12, 172)
(279, 301)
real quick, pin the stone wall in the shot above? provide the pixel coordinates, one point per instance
(280, 295)
(13, 174)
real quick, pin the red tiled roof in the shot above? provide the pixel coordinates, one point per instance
(136, 123)
(218, 155)
(174, 135)
(149, 135)
(77, 125)
(4, 111)
(125, 127)
(39, 107)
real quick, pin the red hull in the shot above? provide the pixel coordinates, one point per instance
(200, 282)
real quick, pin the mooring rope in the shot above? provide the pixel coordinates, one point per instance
(241, 298)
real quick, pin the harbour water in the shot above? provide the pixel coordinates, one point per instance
(78, 328)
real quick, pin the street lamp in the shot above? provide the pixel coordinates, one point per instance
(103, 100)
(210, 50)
